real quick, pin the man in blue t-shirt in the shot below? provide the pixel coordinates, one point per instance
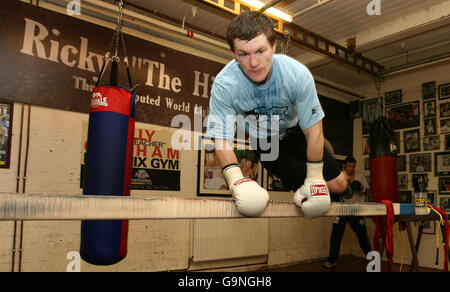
(272, 98)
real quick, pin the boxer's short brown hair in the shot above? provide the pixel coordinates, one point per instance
(249, 25)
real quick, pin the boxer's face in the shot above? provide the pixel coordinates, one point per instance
(350, 168)
(255, 57)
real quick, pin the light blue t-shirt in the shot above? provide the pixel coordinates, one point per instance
(287, 98)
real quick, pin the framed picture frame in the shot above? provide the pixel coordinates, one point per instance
(365, 145)
(411, 141)
(447, 142)
(444, 204)
(419, 178)
(430, 127)
(442, 163)
(431, 143)
(366, 164)
(397, 140)
(432, 197)
(404, 116)
(429, 90)
(429, 109)
(444, 125)
(444, 185)
(420, 162)
(6, 122)
(273, 183)
(371, 110)
(401, 163)
(429, 227)
(405, 196)
(393, 97)
(211, 181)
(402, 181)
(444, 91)
(444, 110)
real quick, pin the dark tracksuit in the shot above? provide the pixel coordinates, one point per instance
(358, 226)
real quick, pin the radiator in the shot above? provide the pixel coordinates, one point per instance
(220, 239)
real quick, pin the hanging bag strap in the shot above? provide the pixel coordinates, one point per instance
(114, 47)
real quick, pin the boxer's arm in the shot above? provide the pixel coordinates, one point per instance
(251, 199)
(313, 196)
(224, 152)
(315, 141)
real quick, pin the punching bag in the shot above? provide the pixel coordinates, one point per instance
(108, 168)
(383, 162)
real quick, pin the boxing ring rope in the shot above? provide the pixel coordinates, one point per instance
(78, 207)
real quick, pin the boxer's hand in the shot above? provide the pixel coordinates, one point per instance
(251, 199)
(313, 196)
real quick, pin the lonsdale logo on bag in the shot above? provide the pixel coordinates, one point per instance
(319, 190)
(98, 100)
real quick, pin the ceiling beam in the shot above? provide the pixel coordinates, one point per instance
(318, 4)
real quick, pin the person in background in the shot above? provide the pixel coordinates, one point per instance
(358, 190)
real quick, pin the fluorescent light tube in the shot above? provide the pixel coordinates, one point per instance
(275, 12)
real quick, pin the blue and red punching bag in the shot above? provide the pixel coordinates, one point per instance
(383, 162)
(108, 168)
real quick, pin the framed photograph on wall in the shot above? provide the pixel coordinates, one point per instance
(444, 204)
(401, 163)
(397, 140)
(273, 183)
(366, 164)
(403, 116)
(211, 181)
(429, 90)
(444, 185)
(403, 181)
(6, 119)
(447, 142)
(444, 110)
(429, 227)
(445, 126)
(444, 91)
(432, 197)
(429, 109)
(405, 197)
(411, 140)
(371, 110)
(429, 127)
(365, 145)
(420, 162)
(419, 178)
(442, 163)
(393, 97)
(431, 143)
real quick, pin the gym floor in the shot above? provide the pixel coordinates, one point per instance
(347, 263)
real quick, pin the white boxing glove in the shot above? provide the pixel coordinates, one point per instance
(313, 196)
(251, 199)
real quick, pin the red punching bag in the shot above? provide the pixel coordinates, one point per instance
(383, 162)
